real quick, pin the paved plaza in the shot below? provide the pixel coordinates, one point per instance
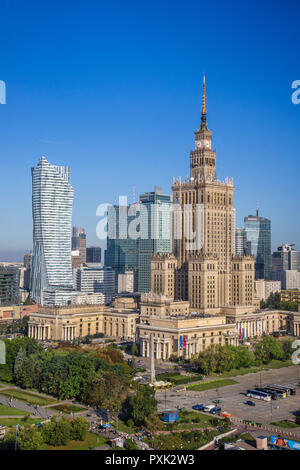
(233, 397)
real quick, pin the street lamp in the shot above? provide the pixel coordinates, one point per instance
(17, 425)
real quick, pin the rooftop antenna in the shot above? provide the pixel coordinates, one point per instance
(257, 208)
(133, 194)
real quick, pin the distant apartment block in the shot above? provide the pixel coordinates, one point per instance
(290, 279)
(96, 280)
(88, 299)
(265, 288)
(126, 282)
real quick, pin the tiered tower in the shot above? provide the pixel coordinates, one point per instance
(204, 229)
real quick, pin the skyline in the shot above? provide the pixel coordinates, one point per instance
(113, 101)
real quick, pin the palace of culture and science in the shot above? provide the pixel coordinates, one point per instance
(202, 294)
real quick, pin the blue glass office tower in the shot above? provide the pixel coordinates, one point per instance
(258, 233)
(158, 222)
(121, 252)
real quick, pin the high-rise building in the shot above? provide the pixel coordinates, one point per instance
(9, 285)
(157, 238)
(95, 280)
(242, 246)
(93, 254)
(28, 260)
(285, 258)
(289, 278)
(258, 233)
(52, 199)
(205, 268)
(27, 265)
(121, 252)
(79, 242)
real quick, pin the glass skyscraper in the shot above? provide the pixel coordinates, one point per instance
(151, 224)
(121, 251)
(258, 234)
(52, 200)
(158, 224)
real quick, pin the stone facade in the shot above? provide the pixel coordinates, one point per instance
(68, 323)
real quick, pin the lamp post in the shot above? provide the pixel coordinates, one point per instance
(16, 440)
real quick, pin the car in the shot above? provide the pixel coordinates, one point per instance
(207, 408)
(250, 403)
(198, 407)
(216, 410)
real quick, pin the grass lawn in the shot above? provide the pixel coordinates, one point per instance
(212, 384)
(285, 424)
(26, 396)
(67, 408)
(274, 364)
(13, 421)
(195, 419)
(8, 411)
(91, 440)
(179, 379)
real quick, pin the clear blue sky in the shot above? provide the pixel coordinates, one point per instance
(113, 89)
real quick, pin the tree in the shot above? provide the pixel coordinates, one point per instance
(28, 438)
(20, 357)
(130, 445)
(141, 405)
(57, 433)
(134, 350)
(79, 428)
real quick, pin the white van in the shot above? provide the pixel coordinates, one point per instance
(207, 408)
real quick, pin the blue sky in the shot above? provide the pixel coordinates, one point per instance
(113, 90)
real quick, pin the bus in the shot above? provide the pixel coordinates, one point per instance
(274, 394)
(288, 390)
(280, 392)
(259, 395)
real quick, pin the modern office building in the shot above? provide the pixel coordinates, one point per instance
(121, 253)
(94, 280)
(157, 234)
(286, 258)
(289, 278)
(79, 242)
(93, 254)
(52, 199)
(242, 246)
(27, 271)
(258, 233)
(9, 285)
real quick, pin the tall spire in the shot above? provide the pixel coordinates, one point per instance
(203, 114)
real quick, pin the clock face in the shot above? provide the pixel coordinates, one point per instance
(199, 143)
(207, 143)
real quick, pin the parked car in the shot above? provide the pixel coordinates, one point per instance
(198, 407)
(208, 408)
(250, 403)
(216, 410)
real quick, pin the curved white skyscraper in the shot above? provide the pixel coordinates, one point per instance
(52, 200)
